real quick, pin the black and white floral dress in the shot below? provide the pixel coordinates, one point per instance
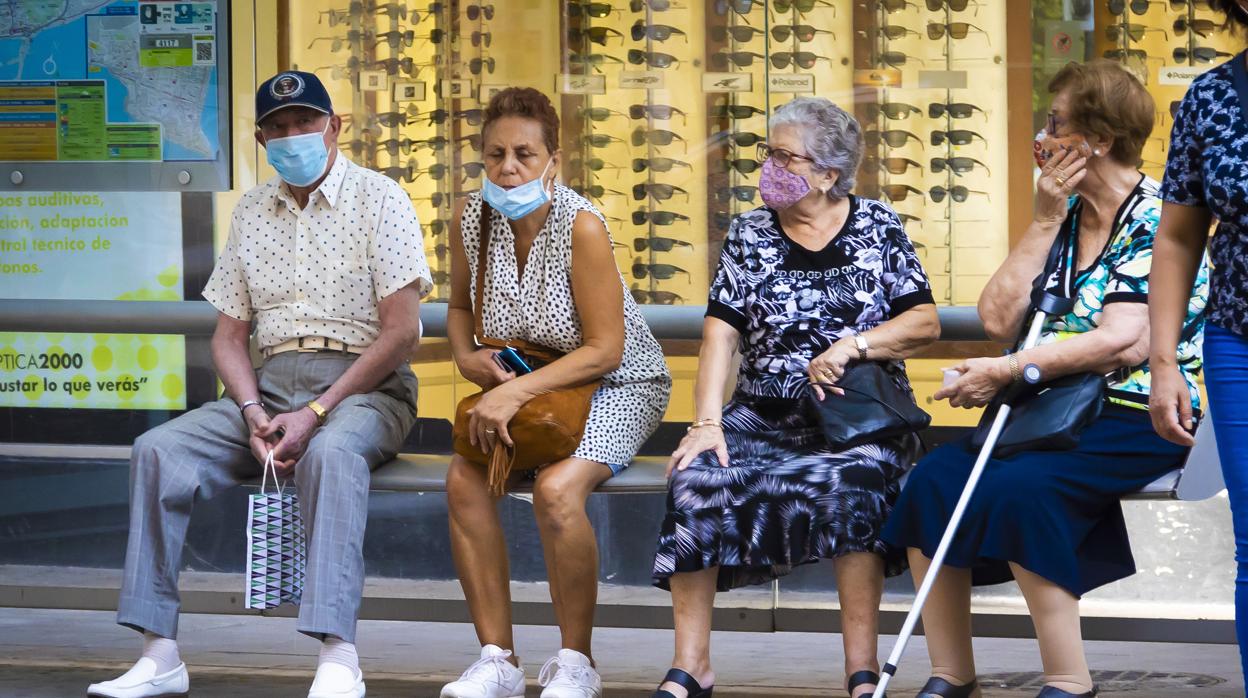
(786, 498)
(537, 307)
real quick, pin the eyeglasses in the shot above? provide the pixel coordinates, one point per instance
(893, 110)
(895, 31)
(475, 12)
(662, 112)
(472, 116)
(655, 137)
(658, 32)
(957, 30)
(600, 113)
(437, 226)
(390, 119)
(1122, 54)
(741, 7)
(1198, 54)
(600, 140)
(959, 165)
(894, 165)
(742, 193)
(894, 138)
(655, 297)
(955, 5)
(735, 111)
(659, 244)
(654, 59)
(358, 8)
(658, 271)
(395, 39)
(1114, 32)
(479, 37)
(596, 191)
(741, 59)
(659, 191)
(641, 217)
(956, 137)
(740, 32)
(394, 146)
(958, 110)
(780, 156)
(899, 192)
(656, 5)
(394, 65)
(896, 59)
(805, 59)
(803, 32)
(590, 9)
(658, 164)
(802, 6)
(340, 41)
(1139, 7)
(597, 35)
(1200, 27)
(406, 173)
(907, 219)
(437, 198)
(744, 139)
(476, 64)
(594, 164)
(958, 193)
(594, 60)
(742, 165)
(721, 219)
(473, 140)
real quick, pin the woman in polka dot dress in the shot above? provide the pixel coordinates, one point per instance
(550, 280)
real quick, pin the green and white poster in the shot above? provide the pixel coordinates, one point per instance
(91, 246)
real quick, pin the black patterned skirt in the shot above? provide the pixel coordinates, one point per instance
(785, 499)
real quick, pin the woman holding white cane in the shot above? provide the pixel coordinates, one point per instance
(1051, 519)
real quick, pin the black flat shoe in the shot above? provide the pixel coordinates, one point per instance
(685, 681)
(1055, 692)
(940, 688)
(859, 678)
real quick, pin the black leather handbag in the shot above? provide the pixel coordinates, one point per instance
(873, 408)
(1049, 415)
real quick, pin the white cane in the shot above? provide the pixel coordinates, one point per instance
(1032, 375)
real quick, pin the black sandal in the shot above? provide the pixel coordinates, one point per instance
(684, 680)
(859, 678)
(939, 688)
(1055, 692)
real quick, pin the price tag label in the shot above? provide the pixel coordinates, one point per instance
(727, 82)
(566, 84)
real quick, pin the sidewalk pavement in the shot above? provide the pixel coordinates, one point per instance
(55, 654)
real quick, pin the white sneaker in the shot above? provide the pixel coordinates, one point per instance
(569, 674)
(491, 676)
(334, 680)
(142, 682)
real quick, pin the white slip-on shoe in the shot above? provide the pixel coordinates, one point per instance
(491, 676)
(570, 674)
(143, 682)
(334, 680)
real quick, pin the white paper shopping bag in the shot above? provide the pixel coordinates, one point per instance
(275, 550)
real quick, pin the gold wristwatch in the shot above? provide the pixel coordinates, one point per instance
(319, 411)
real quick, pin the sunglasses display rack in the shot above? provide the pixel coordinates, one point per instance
(1150, 36)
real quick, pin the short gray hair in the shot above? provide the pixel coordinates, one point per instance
(832, 137)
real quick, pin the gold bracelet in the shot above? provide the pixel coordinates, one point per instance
(1016, 373)
(699, 423)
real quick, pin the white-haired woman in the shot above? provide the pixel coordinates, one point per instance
(811, 282)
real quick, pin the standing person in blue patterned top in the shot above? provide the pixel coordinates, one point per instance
(817, 279)
(1207, 178)
(1051, 519)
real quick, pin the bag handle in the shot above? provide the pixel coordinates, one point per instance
(478, 305)
(867, 395)
(270, 464)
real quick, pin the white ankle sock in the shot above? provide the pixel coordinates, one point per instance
(161, 650)
(339, 651)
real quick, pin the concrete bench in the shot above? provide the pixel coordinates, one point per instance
(1199, 478)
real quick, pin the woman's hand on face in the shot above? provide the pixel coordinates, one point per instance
(829, 366)
(980, 381)
(695, 442)
(1170, 406)
(488, 420)
(481, 368)
(1058, 178)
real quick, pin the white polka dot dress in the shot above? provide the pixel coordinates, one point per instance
(538, 308)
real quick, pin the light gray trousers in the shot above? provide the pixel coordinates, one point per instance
(205, 451)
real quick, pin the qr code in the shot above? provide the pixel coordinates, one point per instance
(204, 52)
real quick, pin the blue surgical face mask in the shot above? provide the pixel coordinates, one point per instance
(517, 202)
(299, 160)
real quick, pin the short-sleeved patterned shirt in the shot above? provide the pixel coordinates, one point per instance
(1208, 167)
(790, 303)
(319, 271)
(1120, 275)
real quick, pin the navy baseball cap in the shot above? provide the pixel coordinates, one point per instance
(289, 89)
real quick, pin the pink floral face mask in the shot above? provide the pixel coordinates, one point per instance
(779, 187)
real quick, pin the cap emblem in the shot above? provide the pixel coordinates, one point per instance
(286, 86)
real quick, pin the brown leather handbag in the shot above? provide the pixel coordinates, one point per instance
(547, 428)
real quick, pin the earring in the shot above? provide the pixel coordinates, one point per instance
(1097, 152)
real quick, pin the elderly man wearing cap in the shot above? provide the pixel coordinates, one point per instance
(325, 263)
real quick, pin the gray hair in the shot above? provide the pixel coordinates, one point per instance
(832, 137)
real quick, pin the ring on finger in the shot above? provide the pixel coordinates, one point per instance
(491, 432)
(1061, 181)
